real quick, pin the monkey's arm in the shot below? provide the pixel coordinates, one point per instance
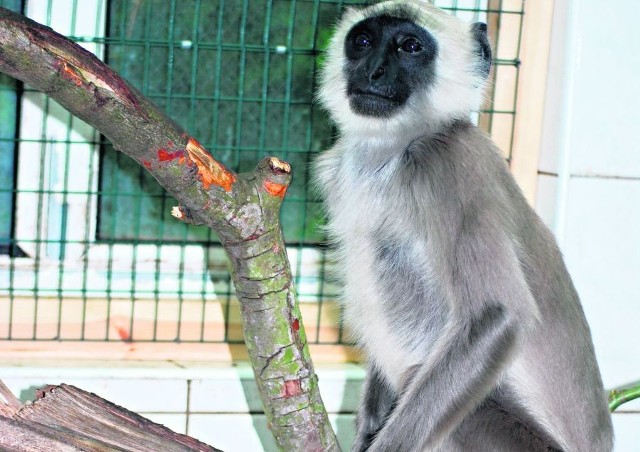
(492, 303)
(375, 407)
(444, 390)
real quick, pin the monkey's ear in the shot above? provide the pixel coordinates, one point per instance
(483, 48)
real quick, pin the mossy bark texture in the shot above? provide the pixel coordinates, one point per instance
(242, 208)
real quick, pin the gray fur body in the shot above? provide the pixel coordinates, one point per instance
(454, 288)
(461, 300)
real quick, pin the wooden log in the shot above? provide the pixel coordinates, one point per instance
(67, 418)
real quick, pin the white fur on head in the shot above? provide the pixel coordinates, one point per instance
(458, 86)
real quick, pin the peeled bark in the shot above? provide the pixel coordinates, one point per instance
(243, 209)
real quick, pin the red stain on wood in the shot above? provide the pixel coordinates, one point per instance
(70, 73)
(296, 325)
(166, 156)
(82, 67)
(123, 334)
(209, 170)
(291, 388)
(275, 189)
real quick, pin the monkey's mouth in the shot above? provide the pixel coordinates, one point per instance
(375, 104)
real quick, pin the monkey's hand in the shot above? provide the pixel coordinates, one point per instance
(465, 368)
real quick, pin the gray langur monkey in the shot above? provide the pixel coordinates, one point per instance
(454, 288)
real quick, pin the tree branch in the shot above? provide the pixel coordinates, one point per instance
(242, 208)
(619, 396)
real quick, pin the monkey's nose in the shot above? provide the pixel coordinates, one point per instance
(377, 73)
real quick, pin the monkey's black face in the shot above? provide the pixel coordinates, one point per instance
(387, 59)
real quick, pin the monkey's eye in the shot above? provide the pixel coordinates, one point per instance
(411, 45)
(362, 40)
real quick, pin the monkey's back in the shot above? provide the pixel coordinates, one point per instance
(557, 353)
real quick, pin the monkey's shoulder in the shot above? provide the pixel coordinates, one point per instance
(459, 144)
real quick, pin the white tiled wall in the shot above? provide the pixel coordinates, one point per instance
(590, 192)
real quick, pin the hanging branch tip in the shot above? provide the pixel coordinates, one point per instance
(178, 213)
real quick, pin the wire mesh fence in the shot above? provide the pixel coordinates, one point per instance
(88, 248)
